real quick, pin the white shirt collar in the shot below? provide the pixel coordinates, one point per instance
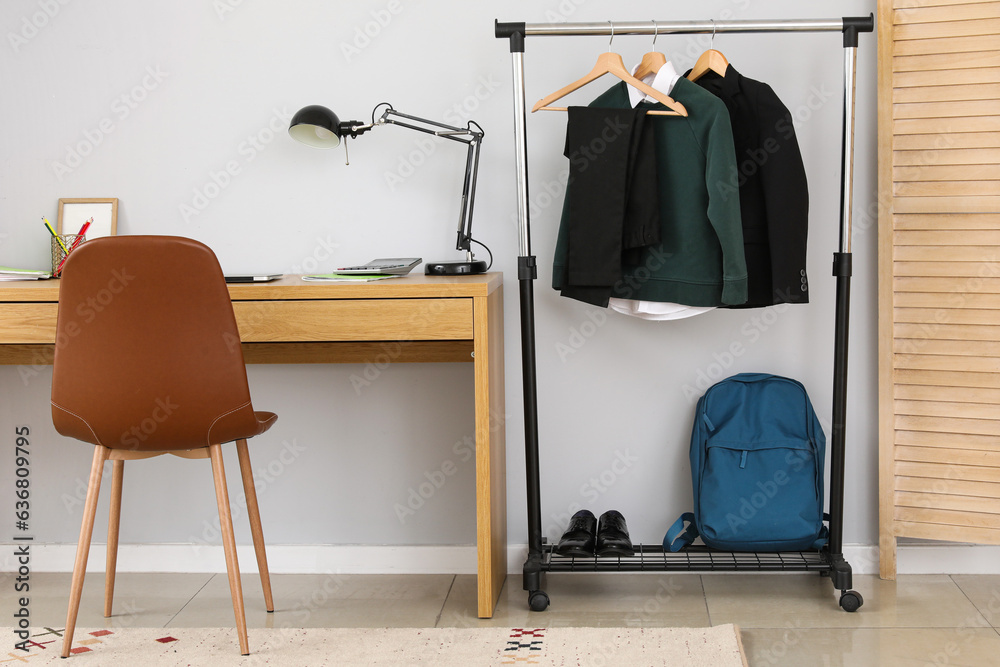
(662, 81)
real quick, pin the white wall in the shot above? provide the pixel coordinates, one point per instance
(163, 96)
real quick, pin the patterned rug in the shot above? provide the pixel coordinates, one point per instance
(442, 647)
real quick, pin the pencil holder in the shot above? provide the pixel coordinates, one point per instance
(58, 254)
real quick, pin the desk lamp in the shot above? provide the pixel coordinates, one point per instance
(319, 127)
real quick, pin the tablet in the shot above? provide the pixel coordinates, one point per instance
(253, 279)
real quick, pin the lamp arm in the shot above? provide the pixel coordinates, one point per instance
(465, 135)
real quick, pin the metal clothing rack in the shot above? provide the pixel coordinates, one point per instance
(829, 560)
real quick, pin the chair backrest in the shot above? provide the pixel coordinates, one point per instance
(148, 354)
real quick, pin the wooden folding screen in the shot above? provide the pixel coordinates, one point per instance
(939, 272)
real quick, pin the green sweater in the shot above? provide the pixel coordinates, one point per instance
(700, 260)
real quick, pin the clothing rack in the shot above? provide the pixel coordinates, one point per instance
(829, 560)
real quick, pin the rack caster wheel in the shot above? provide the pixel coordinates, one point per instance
(538, 600)
(851, 600)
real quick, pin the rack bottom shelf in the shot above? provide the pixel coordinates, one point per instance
(652, 558)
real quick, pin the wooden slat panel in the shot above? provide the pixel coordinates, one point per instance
(944, 300)
(953, 487)
(960, 348)
(945, 331)
(936, 362)
(948, 155)
(946, 77)
(950, 517)
(948, 425)
(948, 29)
(980, 286)
(920, 142)
(939, 272)
(948, 316)
(962, 12)
(959, 172)
(934, 393)
(983, 204)
(956, 269)
(909, 4)
(946, 62)
(947, 378)
(945, 125)
(945, 253)
(923, 47)
(947, 502)
(937, 531)
(937, 221)
(944, 471)
(948, 456)
(946, 189)
(951, 410)
(958, 440)
(989, 237)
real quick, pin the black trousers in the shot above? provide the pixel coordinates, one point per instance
(612, 207)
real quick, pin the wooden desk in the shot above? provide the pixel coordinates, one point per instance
(440, 319)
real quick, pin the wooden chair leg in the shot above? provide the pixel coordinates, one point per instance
(255, 529)
(83, 546)
(229, 545)
(114, 521)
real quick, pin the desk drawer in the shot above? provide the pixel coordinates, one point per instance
(354, 319)
(28, 322)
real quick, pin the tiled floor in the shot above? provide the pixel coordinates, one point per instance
(786, 619)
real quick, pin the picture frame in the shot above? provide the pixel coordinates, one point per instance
(73, 212)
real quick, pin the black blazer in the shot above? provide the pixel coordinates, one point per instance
(771, 182)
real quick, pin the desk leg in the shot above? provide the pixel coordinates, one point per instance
(491, 457)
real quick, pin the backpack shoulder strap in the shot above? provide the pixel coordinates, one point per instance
(677, 538)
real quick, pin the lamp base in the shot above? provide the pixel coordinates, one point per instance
(455, 268)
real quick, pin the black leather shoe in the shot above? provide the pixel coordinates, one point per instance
(612, 535)
(580, 536)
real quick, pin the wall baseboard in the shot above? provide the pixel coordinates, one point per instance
(306, 559)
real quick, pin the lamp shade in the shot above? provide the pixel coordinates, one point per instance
(315, 126)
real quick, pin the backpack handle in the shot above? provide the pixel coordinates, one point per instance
(677, 538)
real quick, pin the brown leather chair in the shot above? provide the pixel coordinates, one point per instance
(148, 362)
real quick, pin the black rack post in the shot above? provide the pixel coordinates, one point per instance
(840, 569)
(830, 560)
(526, 275)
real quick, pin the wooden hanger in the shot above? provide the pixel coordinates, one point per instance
(651, 62)
(611, 63)
(710, 61)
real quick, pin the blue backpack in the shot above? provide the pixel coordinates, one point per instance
(757, 452)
